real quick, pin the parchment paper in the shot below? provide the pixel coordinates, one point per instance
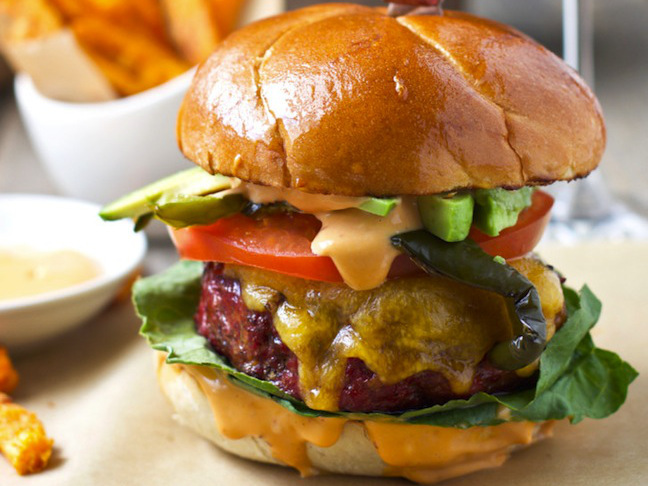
(95, 391)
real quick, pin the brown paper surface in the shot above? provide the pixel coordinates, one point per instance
(95, 391)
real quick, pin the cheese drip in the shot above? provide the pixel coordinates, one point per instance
(420, 453)
(358, 242)
(401, 328)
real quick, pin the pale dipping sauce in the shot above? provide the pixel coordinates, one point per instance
(25, 272)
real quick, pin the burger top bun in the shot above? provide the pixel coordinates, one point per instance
(343, 99)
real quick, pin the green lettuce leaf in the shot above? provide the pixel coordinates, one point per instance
(576, 379)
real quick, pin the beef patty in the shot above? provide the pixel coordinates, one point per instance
(250, 341)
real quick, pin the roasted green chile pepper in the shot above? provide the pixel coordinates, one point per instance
(466, 262)
(141, 222)
(259, 211)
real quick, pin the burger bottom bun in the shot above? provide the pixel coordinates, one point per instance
(353, 453)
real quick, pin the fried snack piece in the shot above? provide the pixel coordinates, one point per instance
(135, 45)
(8, 375)
(132, 61)
(192, 28)
(144, 16)
(226, 13)
(196, 26)
(22, 438)
(27, 19)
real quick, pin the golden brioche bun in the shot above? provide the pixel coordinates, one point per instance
(343, 99)
(353, 453)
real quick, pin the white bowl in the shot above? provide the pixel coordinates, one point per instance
(101, 151)
(49, 223)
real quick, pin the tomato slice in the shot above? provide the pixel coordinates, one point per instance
(281, 242)
(278, 242)
(520, 239)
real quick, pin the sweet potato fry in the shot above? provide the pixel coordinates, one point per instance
(132, 62)
(135, 44)
(143, 16)
(192, 27)
(8, 375)
(150, 13)
(68, 8)
(27, 19)
(226, 14)
(22, 438)
(196, 26)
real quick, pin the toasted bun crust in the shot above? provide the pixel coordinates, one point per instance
(342, 99)
(353, 453)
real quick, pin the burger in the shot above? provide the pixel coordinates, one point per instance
(357, 291)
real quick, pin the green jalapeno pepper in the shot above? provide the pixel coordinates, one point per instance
(466, 262)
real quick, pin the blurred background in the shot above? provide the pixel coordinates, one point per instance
(620, 38)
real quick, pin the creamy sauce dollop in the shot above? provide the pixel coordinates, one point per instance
(359, 242)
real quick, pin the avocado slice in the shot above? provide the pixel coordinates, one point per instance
(497, 209)
(379, 206)
(448, 218)
(191, 182)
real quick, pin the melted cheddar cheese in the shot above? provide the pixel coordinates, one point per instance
(401, 328)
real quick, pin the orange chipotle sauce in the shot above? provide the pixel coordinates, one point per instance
(358, 242)
(420, 453)
(239, 414)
